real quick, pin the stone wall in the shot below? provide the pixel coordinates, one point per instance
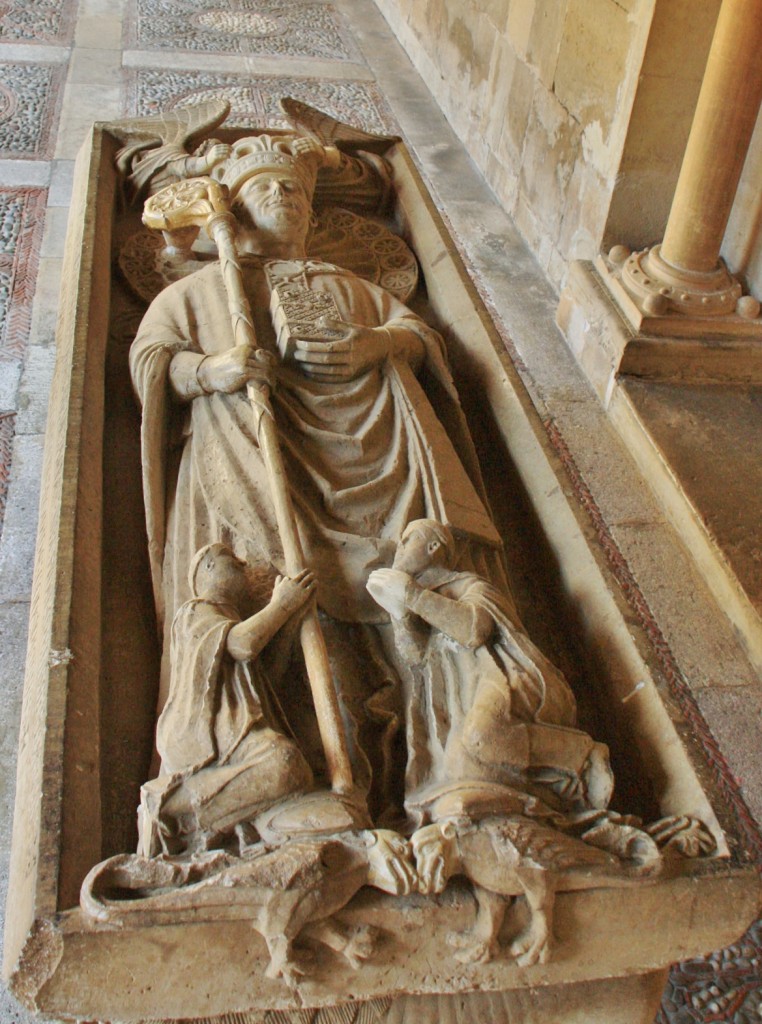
(668, 87)
(541, 93)
(577, 112)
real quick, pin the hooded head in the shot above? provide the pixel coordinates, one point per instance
(423, 543)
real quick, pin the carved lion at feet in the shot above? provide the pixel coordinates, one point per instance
(505, 857)
(289, 892)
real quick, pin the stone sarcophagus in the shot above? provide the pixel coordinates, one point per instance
(327, 692)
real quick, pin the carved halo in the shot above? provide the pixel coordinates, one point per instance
(364, 246)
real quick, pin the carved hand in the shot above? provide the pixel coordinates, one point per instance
(356, 350)
(327, 156)
(230, 370)
(292, 593)
(203, 164)
(219, 152)
(246, 639)
(389, 587)
(304, 144)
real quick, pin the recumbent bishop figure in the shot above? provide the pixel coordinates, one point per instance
(359, 403)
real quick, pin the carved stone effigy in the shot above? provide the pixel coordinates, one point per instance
(369, 783)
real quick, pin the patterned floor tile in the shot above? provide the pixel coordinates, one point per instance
(21, 222)
(722, 988)
(254, 99)
(257, 27)
(30, 97)
(22, 214)
(37, 21)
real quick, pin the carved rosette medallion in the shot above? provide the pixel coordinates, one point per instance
(369, 249)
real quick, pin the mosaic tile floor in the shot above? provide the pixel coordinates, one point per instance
(254, 98)
(29, 100)
(37, 21)
(59, 72)
(22, 212)
(722, 989)
(311, 30)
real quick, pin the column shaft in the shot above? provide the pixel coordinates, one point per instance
(719, 139)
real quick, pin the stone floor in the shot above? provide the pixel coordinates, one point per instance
(65, 63)
(711, 435)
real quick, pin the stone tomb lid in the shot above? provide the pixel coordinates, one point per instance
(207, 958)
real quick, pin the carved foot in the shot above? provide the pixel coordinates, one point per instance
(470, 950)
(284, 962)
(532, 944)
(361, 944)
(685, 835)
(355, 944)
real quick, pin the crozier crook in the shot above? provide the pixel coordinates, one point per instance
(202, 202)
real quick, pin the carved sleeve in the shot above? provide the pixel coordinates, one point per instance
(183, 375)
(411, 638)
(248, 639)
(406, 344)
(464, 622)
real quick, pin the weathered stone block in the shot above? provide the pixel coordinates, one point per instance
(496, 110)
(550, 153)
(587, 207)
(596, 44)
(519, 27)
(545, 36)
(517, 110)
(498, 12)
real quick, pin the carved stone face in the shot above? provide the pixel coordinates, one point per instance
(417, 551)
(276, 202)
(224, 578)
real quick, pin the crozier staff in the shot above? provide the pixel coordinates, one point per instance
(200, 202)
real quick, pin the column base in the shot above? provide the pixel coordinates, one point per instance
(659, 300)
(657, 288)
(610, 334)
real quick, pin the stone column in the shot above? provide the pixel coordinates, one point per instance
(685, 273)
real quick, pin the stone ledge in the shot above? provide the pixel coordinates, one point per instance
(607, 932)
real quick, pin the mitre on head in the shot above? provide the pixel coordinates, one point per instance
(258, 154)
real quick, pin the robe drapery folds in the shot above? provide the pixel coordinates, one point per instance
(222, 736)
(507, 675)
(363, 458)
